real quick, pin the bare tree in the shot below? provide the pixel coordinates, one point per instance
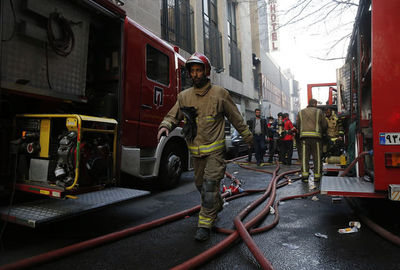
(331, 20)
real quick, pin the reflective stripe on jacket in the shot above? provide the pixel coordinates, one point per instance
(212, 104)
(205, 149)
(312, 123)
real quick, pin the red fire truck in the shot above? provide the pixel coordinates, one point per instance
(83, 90)
(368, 101)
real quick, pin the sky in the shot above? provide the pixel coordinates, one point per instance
(300, 44)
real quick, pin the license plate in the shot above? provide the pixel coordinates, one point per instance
(392, 138)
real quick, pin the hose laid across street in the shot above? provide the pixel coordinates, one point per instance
(74, 248)
(61, 252)
(243, 230)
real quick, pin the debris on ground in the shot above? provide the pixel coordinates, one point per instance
(290, 246)
(337, 199)
(314, 198)
(320, 235)
(355, 224)
(272, 210)
(348, 230)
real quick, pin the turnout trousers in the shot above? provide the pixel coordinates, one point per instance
(299, 148)
(311, 147)
(208, 172)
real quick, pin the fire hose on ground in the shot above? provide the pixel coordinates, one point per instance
(243, 230)
(58, 253)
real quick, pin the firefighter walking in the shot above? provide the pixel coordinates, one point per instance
(203, 108)
(312, 125)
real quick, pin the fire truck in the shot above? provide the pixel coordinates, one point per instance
(367, 99)
(83, 90)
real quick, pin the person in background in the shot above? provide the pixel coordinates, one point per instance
(280, 131)
(333, 142)
(297, 139)
(204, 108)
(251, 149)
(273, 138)
(312, 124)
(287, 140)
(258, 126)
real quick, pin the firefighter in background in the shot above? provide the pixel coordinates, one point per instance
(287, 140)
(203, 108)
(332, 121)
(312, 125)
(334, 132)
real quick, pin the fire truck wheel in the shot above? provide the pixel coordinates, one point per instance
(171, 166)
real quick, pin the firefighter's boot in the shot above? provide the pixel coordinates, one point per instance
(304, 177)
(202, 234)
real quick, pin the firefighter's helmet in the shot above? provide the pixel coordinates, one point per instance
(199, 58)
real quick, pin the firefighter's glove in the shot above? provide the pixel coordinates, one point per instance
(189, 129)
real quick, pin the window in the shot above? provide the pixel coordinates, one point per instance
(177, 23)
(232, 33)
(256, 73)
(235, 68)
(157, 65)
(212, 37)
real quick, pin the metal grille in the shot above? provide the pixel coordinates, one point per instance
(212, 37)
(213, 47)
(235, 68)
(177, 23)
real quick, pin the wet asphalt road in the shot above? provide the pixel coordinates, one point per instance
(292, 244)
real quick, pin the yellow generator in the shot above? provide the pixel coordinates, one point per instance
(60, 155)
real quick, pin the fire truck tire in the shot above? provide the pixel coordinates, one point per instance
(172, 164)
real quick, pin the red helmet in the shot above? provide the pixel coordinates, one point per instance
(199, 58)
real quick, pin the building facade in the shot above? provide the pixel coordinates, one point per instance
(233, 35)
(279, 91)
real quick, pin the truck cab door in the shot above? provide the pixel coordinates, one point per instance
(159, 90)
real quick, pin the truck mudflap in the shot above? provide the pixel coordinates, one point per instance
(349, 187)
(36, 213)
